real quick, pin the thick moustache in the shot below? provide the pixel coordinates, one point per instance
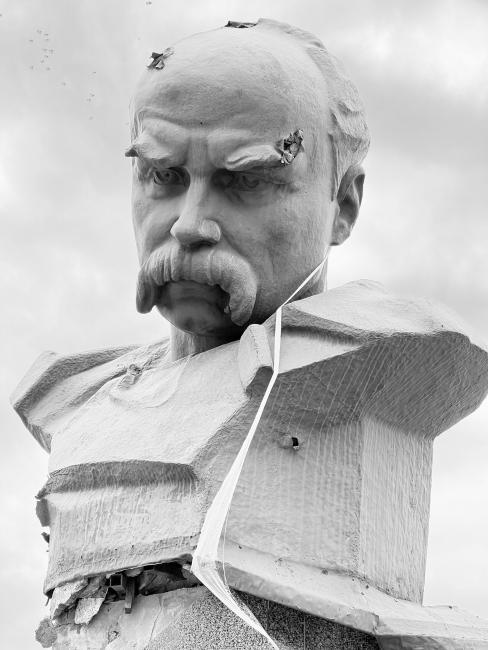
(206, 266)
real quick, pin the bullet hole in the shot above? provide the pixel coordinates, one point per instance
(290, 442)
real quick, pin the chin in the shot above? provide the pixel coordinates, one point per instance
(197, 309)
(201, 320)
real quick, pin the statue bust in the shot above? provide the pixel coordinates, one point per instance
(246, 146)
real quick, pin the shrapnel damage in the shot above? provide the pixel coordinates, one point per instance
(80, 600)
(291, 146)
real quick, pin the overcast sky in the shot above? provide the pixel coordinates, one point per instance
(67, 259)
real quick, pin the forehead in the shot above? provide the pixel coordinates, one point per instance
(233, 85)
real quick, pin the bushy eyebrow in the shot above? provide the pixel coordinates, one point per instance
(239, 159)
(143, 152)
(248, 157)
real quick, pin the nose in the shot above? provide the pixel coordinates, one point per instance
(195, 225)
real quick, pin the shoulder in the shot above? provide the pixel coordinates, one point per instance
(56, 384)
(365, 306)
(411, 359)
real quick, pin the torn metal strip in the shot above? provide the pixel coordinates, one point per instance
(240, 25)
(159, 59)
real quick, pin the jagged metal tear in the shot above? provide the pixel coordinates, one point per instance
(205, 558)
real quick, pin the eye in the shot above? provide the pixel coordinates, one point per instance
(241, 181)
(248, 181)
(168, 176)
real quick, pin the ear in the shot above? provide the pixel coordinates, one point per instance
(348, 199)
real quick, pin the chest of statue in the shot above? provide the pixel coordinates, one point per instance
(337, 477)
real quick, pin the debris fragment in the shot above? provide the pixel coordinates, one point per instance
(87, 608)
(158, 60)
(65, 596)
(291, 146)
(46, 633)
(97, 586)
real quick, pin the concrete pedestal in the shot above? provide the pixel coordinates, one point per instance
(208, 624)
(194, 619)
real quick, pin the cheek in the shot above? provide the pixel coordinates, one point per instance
(298, 231)
(152, 221)
(138, 218)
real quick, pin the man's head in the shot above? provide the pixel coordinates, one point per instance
(247, 146)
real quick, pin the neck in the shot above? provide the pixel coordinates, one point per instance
(182, 343)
